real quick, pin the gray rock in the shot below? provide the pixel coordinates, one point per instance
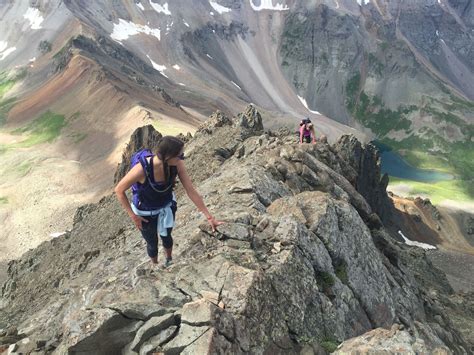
(303, 254)
(384, 341)
(103, 331)
(197, 313)
(158, 340)
(143, 137)
(152, 327)
(187, 335)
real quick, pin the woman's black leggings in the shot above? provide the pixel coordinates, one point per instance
(150, 234)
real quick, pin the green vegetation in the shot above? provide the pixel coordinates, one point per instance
(383, 46)
(352, 89)
(23, 168)
(3, 200)
(370, 110)
(5, 86)
(341, 271)
(427, 149)
(460, 103)
(5, 107)
(44, 129)
(426, 160)
(329, 345)
(44, 47)
(325, 280)
(455, 158)
(375, 64)
(8, 81)
(457, 190)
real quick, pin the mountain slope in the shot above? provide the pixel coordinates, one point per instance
(108, 67)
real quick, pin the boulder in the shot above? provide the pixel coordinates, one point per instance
(389, 341)
(152, 327)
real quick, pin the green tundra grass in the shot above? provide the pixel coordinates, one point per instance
(456, 190)
(44, 129)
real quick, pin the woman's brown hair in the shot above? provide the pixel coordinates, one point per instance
(168, 148)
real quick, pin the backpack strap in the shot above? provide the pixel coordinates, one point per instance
(148, 169)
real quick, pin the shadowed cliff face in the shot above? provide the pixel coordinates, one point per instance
(303, 261)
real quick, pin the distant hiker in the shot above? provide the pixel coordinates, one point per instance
(152, 178)
(307, 133)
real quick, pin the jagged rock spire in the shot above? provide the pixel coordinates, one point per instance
(143, 137)
(251, 121)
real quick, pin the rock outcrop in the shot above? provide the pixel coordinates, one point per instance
(302, 263)
(393, 341)
(143, 137)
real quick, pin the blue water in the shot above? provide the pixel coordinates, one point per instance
(394, 165)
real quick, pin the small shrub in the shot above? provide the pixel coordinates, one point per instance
(329, 345)
(44, 47)
(341, 271)
(325, 280)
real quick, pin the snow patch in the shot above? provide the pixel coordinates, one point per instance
(186, 24)
(177, 67)
(32, 60)
(212, 14)
(3, 46)
(365, 2)
(442, 40)
(236, 85)
(219, 8)
(305, 104)
(161, 8)
(160, 68)
(57, 234)
(140, 5)
(34, 16)
(268, 5)
(125, 29)
(181, 84)
(416, 244)
(437, 33)
(6, 52)
(337, 4)
(209, 56)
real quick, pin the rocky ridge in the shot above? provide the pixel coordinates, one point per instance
(302, 263)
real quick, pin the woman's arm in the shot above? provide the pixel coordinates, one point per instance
(190, 190)
(301, 134)
(194, 195)
(135, 174)
(313, 134)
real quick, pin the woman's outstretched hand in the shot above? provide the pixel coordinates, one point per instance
(214, 223)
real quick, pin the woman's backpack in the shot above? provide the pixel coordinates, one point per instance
(149, 195)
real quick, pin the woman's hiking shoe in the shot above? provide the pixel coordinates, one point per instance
(167, 263)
